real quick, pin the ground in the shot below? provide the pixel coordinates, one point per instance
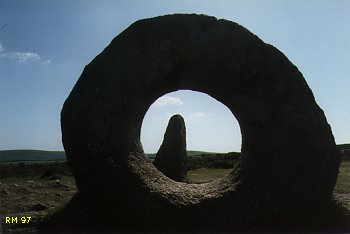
(25, 195)
(202, 175)
(342, 189)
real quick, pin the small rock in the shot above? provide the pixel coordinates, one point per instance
(5, 191)
(15, 185)
(39, 207)
(30, 181)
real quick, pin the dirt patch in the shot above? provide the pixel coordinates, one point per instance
(34, 198)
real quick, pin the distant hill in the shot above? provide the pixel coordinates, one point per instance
(195, 153)
(31, 155)
(189, 153)
(42, 155)
(343, 147)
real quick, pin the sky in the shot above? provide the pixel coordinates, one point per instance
(44, 46)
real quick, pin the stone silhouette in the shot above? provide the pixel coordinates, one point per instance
(171, 158)
(289, 159)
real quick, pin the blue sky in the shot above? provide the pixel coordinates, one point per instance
(44, 46)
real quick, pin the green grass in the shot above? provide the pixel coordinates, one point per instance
(216, 160)
(206, 174)
(189, 153)
(343, 182)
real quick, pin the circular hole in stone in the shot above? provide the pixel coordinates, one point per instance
(213, 136)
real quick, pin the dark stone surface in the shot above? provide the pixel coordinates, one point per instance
(171, 158)
(289, 159)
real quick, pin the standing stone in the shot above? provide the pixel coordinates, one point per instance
(289, 160)
(172, 155)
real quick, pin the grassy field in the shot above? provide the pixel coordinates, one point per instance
(343, 182)
(201, 175)
(17, 172)
(39, 189)
(209, 174)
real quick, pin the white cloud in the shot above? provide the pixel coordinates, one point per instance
(22, 57)
(167, 100)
